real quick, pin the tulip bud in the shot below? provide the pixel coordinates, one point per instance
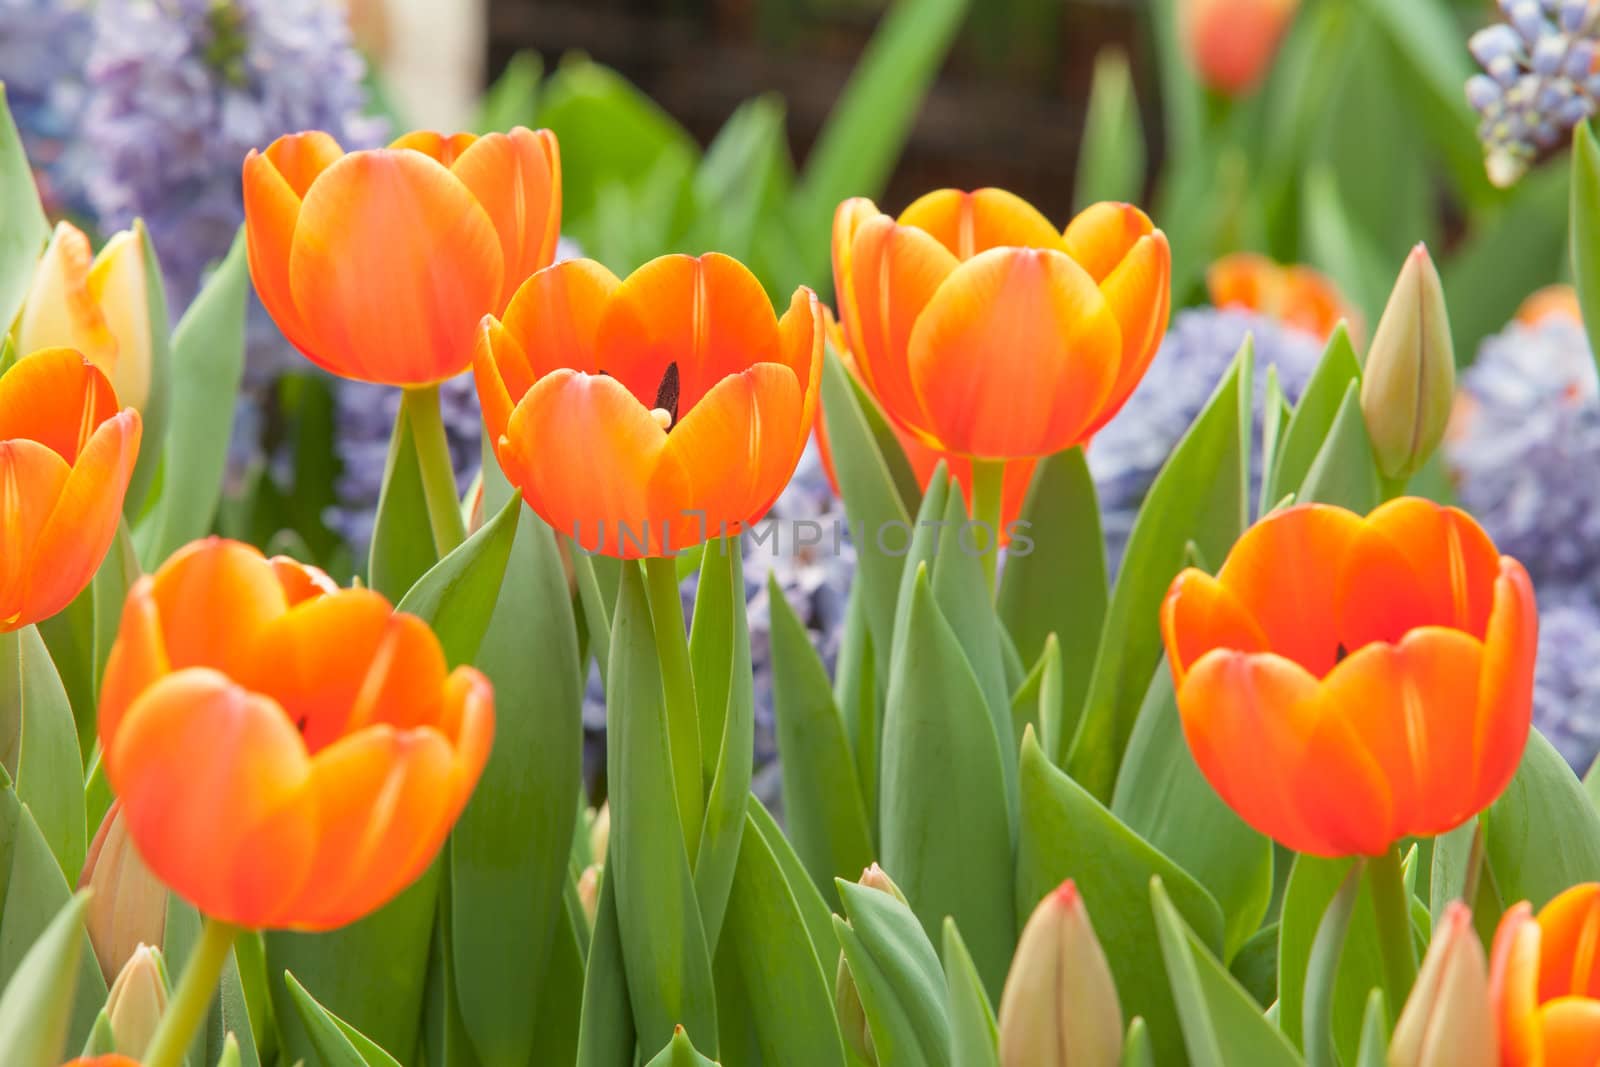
(1059, 1006)
(129, 905)
(1409, 383)
(600, 833)
(846, 999)
(1448, 1020)
(589, 891)
(1232, 42)
(137, 1000)
(97, 305)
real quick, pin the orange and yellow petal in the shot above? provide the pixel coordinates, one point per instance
(555, 321)
(1200, 614)
(1455, 562)
(404, 678)
(299, 158)
(1570, 1028)
(388, 302)
(802, 340)
(216, 579)
(610, 448)
(1139, 291)
(301, 581)
(138, 658)
(442, 148)
(61, 309)
(1014, 355)
(516, 176)
(1514, 986)
(1505, 690)
(707, 314)
(1569, 946)
(31, 480)
(197, 759)
(117, 286)
(970, 223)
(271, 214)
(848, 218)
(57, 398)
(1102, 235)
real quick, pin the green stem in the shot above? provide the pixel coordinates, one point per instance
(1391, 902)
(438, 473)
(191, 1001)
(1469, 885)
(1392, 487)
(988, 486)
(677, 683)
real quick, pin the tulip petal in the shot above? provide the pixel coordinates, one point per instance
(555, 321)
(1569, 952)
(1102, 235)
(970, 223)
(441, 148)
(739, 446)
(301, 581)
(86, 516)
(271, 215)
(404, 679)
(212, 580)
(117, 287)
(1282, 572)
(393, 264)
(1455, 563)
(895, 271)
(1408, 705)
(517, 178)
(802, 336)
(57, 398)
(1139, 291)
(61, 310)
(1014, 355)
(31, 479)
(1200, 614)
(300, 157)
(1505, 693)
(496, 356)
(1571, 1028)
(850, 216)
(709, 315)
(212, 783)
(1514, 985)
(585, 454)
(138, 658)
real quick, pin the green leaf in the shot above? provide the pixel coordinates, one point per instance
(822, 803)
(228, 1011)
(1275, 417)
(605, 1028)
(680, 1052)
(862, 139)
(507, 852)
(719, 647)
(1221, 1023)
(665, 955)
(1313, 416)
(1585, 239)
(898, 976)
(1322, 970)
(1199, 496)
(743, 180)
(457, 597)
(1542, 835)
(1374, 1051)
(560, 1004)
(1338, 245)
(207, 366)
(1345, 472)
(945, 825)
(39, 745)
(23, 237)
(161, 386)
(402, 539)
(1066, 833)
(1136, 1049)
(338, 1044)
(513, 99)
(1059, 586)
(1111, 155)
(789, 993)
(813, 911)
(855, 692)
(973, 1037)
(1162, 796)
(872, 504)
(36, 1007)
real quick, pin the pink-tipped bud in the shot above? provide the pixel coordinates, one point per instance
(129, 906)
(1059, 1007)
(1448, 1020)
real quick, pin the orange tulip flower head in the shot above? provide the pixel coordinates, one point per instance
(1345, 682)
(1296, 296)
(1544, 981)
(985, 332)
(643, 416)
(66, 454)
(1232, 43)
(377, 264)
(109, 1059)
(286, 753)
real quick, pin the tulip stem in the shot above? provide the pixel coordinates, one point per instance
(1391, 902)
(191, 1001)
(421, 405)
(988, 484)
(677, 683)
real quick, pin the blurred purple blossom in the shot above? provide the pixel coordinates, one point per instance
(44, 45)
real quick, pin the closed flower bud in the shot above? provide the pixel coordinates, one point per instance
(589, 891)
(1059, 1007)
(95, 304)
(1447, 1021)
(846, 999)
(1410, 379)
(600, 833)
(129, 905)
(874, 877)
(137, 1000)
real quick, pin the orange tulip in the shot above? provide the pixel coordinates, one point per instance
(985, 332)
(924, 460)
(1553, 302)
(1232, 42)
(1544, 982)
(1346, 682)
(378, 264)
(286, 753)
(66, 454)
(110, 1059)
(1295, 296)
(643, 416)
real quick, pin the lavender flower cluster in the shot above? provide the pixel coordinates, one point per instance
(1523, 448)
(44, 47)
(1540, 80)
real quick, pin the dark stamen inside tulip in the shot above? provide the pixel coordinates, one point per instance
(1340, 653)
(300, 724)
(667, 393)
